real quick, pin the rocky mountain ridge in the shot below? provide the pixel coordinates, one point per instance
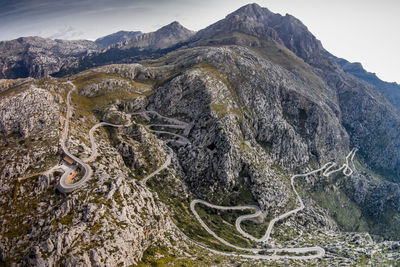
(117, 37)
(164, 37)
(390, 90)
(242, 106)
(40, 57)
(259, 22)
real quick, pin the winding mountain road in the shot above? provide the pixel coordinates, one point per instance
(171, 120)
(162, 167)
(317, 251)
(183, 139)
(63, 186)
(92, 140)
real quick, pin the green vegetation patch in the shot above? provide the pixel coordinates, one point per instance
(179, 206)
(15, 89)
(90, 104)
(93, 77)
(222, 223)
(341, 208)
(158, 255)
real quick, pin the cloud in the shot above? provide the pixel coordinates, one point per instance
(67, 32)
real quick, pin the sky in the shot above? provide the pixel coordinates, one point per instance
(365, 31)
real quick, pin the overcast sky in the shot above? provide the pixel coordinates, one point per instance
(365, 31)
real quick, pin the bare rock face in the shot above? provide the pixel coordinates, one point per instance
(372, 124)
(28, 113)
(390, 90)
(164, 37)
(259, 22)
(106, 86)
(374, 196)
(39, 57)
(243, 118)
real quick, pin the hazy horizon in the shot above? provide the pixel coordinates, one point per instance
(358, 31)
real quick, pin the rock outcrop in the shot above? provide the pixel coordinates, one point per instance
(112, 220)
(27, 113)
(164, 37)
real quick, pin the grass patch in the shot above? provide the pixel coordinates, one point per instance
(340, 207)
(223, 224)
(179, 206)
(157, 255)
(81, 81)
(67, 219)
(100, 102)
(15, 88)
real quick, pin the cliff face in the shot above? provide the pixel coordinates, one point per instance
(229, 118)
(371, 120)
(259, 22)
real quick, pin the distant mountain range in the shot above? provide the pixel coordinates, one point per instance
(38, 57)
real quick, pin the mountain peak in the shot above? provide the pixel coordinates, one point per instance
(117, 37)
(174, 29)
(260, 22)
(173, 26)
(253, 11)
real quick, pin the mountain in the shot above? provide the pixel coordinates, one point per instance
(143, 46)
(244, 143)
(259, 22)
(390, 90)
(164, 37)
(117, 37)
(38, 57)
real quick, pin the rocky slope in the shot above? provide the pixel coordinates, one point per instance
(266, 33)
(390, 90)
(164, 37)
(142, 46)
(112, 221)
(39, 57)
(261, 23)
(259, 101)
